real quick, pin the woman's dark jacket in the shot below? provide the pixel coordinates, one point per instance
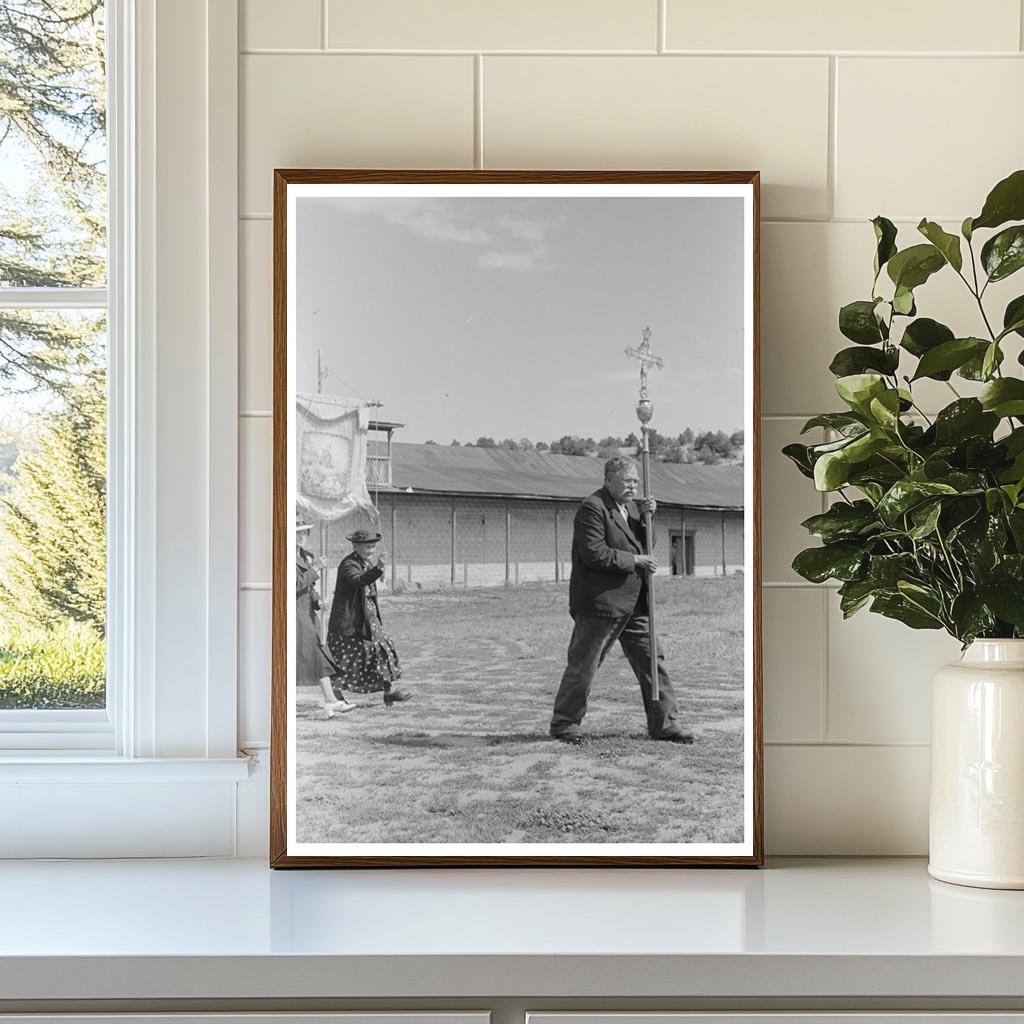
(355, 593)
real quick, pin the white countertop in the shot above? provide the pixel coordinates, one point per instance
(235, 929)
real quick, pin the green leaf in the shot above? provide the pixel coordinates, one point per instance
(854, 595)
(799, 455)
(965, 229)
(1005, 596)
(818, 450)
(887, 570)
(1012, 476)
(966, 417)
(950, 355)
(1005, 202)
(947, 244)
(850, 361)
(1015, 520)
(876, 472)
(831, 471)
(885, 236)
(866, 445)
(994, 499)
(1013, 317)
(963, 482)
(858, 389)
(970, 617)
(1014, 441)
(832, 561)
(923, 335)
(832, 420)
(1003, 255)
(842, 521)
(903, 302)
(925, 518)
(990, 361)
(912, 267)
(899, 608)
(885, 409)
(1004, 397)
(857, 321)
(904, 495)
(974, 368)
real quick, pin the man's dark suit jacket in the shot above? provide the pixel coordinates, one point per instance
(604, 579)
(348, 611)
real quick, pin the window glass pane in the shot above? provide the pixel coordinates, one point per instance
(52, 509)
(53, 148)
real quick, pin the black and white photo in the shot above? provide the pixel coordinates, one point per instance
(516, 611)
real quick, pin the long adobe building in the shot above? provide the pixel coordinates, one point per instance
(474, 517)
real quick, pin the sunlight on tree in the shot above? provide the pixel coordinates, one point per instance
(53, 212)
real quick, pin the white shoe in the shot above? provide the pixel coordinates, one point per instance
(339, 707)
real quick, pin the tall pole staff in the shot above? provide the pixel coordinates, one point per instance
(644, 413)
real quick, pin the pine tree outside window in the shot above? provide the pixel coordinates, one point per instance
(53, 363)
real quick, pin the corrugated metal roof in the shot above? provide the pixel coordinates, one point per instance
(441, 469)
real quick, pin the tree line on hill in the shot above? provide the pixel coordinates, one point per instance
(710, 447)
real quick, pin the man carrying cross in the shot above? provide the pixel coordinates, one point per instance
(610, 595)
(608, 601)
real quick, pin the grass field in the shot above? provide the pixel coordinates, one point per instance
(469, 758)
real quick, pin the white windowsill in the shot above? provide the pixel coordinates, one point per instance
(235, 930)
(81, 767)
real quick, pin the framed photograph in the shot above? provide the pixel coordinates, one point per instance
(516, 605)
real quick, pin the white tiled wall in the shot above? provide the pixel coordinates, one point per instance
(909, 110)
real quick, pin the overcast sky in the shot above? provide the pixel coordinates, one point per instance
(509, 317)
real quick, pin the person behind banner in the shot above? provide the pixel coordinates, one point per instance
(312, 663)
(366, 656)
(608, 591)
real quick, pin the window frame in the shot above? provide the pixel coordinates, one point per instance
(159, 718)
(93, 729)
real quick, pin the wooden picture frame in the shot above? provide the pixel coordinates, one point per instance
(394, 281)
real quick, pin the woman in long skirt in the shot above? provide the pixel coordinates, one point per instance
(311, 661)
(366, 656)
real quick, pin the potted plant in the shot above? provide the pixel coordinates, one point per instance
(927, 521)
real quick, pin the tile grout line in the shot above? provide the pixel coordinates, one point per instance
(323, 24)
(826, 689)
(259, 51)
(663, 26)
(478, 111)
(852, 744)
(799, 584)
(1020, 24)
(825, 710)
(831, 171)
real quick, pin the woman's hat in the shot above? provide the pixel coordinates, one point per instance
(364, 537)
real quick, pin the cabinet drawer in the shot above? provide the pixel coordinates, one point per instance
(786, 1017)
(362, 1017)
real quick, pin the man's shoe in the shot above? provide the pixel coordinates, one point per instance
(574, 739)
(677, 737)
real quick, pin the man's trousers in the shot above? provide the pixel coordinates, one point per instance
(592, 639)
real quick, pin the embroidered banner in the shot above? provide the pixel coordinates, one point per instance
(331, 457)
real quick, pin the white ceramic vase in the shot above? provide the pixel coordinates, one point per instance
(976, 812)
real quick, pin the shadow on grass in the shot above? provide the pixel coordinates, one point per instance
(461, 740)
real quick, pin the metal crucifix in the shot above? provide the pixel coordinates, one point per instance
(644, 412)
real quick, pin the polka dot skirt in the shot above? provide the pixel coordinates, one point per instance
(367, 666)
